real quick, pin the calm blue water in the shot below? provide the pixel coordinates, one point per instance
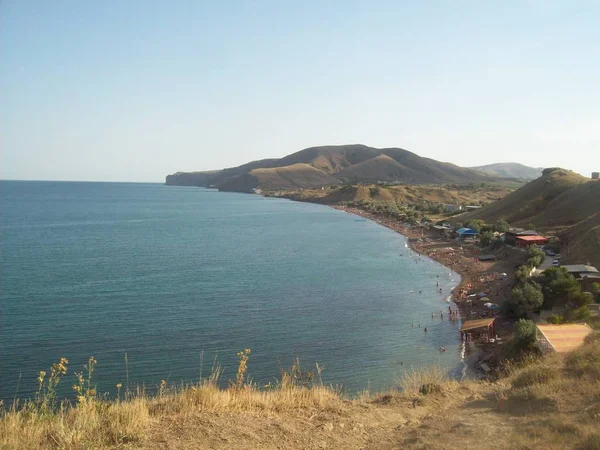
(166, 273)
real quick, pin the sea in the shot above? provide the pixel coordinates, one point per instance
(164, 283)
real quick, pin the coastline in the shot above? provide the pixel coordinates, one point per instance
(492, 278)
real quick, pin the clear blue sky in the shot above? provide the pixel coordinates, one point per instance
(134, 90)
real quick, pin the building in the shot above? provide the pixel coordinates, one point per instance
(464, 233)
(510, 237)
(452, 208)
(595, 175)
(472, 207)
(444, 230)
(561, 338)
(581, 270)
(527, 241)
(478, 328)
(586, 275)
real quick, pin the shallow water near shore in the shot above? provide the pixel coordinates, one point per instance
(176, 276)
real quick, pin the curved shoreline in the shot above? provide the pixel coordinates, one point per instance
(475, 276)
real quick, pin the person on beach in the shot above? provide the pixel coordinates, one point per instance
(425, 330)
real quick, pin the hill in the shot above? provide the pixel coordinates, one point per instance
(511, 170)
(546, 403)
(316, 167)
(582, 241)
(545, 201)
(560, 201)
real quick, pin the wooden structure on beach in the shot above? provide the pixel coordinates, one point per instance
(479, 327)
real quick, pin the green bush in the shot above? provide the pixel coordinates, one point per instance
(536, 256)
(524, 299)
(525, 337)
(485, 238)
(555, 319)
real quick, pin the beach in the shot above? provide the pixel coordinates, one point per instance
(481, 281)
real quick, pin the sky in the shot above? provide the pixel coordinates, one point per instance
(134, 90)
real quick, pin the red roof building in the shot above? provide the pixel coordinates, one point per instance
(526, 241)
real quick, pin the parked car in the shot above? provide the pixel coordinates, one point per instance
(550, 253)
(556, 262)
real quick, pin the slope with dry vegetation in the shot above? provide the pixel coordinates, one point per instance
(332, 165)
(550, 403)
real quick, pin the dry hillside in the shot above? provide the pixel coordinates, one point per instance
(557, 198)
(549, 404)
(559, 201)
(511, 170)
(332, 165)
(582, 241)
(400, 194)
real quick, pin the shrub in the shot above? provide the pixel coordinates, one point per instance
(536, 256)
(535, 374)
(524, 299)
(525, 337)
(501, 226)
(430, 388)
(485, 238)
(476, 225)
(555, 319)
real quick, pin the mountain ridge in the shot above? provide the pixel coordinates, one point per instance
(316, 167)
(510, 170)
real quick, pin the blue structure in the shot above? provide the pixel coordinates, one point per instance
(466, 232)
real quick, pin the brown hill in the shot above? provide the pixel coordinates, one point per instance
(381, 168)
(335, 164)
(544, 202)
(582, 241)
(299, 175)
(511, 170)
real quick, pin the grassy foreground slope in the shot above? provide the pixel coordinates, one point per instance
(552, 403)
(331, 165)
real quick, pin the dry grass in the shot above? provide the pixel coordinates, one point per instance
(541, 403)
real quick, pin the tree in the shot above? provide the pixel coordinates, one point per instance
(476, 225)
(502, 226)
(553, 244)
(522, 273)
(536, 256)
(531, 226)
(525, 337)
(524, 299)
(596, 291)
(485, 238)
(558, 285)
(580, 299)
